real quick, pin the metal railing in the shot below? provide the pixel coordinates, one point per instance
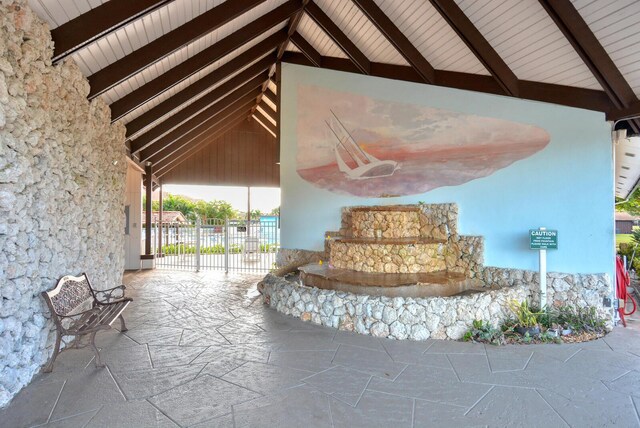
(229, 245)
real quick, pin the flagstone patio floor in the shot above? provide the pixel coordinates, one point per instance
(202, 350)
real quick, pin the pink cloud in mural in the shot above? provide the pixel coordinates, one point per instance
(362, 146)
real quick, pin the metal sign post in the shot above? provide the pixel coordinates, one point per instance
(198, 224)
(542, 239)
(543, 276)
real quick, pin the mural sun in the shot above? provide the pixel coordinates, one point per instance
(362, 146)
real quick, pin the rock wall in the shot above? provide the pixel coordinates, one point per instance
(393, 318)
(579, 290)
(62, 177)
(438, 221)
(389, 258)
(462, 254)
(385, 224)
(286, 256)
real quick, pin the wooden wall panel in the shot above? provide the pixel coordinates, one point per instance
(244, 156)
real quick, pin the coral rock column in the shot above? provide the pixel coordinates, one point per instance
(62, 180)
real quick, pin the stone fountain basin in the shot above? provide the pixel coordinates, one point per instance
(432, 284)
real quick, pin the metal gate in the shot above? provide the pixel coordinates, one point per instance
(229, 245)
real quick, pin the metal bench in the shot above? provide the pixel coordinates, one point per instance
(79, 310)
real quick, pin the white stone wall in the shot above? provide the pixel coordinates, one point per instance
(393, 318)
(62, 176)
(579, 290)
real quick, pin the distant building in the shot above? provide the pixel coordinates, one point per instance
(625, 222)
(167, 217)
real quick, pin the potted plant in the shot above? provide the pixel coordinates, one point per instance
(527, 319)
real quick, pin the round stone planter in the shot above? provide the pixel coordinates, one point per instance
(390, 317)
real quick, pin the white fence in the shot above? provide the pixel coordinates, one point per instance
(229, 245)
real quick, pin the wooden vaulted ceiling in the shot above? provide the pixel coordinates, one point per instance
(180, 73)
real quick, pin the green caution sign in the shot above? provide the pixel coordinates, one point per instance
(543, 239)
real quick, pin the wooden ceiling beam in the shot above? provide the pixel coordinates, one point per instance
(476, 42)
(557, 94)
(292, 27)
(259, 122)
(271, 96)
(337, 35)
(191, 91)
(199, 124)
(265, 122)
(119, 71)
(268, 110)
(595, 57)
(184, 70)
(100, 21)
(195, 145)
(252, 77)
(396, 38)
(307, 49)
(633, 110)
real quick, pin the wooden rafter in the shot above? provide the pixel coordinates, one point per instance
(337, 35)
(261, 124)
(166, 165)
(191, 66)
(586, 44)
(250, 77)
(270, 96)
(175, 140)
(268, 110)
(195, 89)
(265, 122)
(307, 50)
(163, 46)
(200, 123)
(476, 42)
(291, 29)
(99, 22)
(194, 145)
(563, 95)
(191, 139)
(396, 38)
(633, 110)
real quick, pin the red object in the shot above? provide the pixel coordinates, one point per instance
(622, 281)
(630, 305)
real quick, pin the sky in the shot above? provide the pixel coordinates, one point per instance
(262, 198)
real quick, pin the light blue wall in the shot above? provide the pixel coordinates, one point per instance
(567, 186)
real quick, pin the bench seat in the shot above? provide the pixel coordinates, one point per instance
(79, 310)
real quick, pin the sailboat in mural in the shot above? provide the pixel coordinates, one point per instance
(352, 160)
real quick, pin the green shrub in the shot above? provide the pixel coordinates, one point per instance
(484, 332)
(174, 249)
(581, 319)
(627, 249)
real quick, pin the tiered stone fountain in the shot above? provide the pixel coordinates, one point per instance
(400, 250)
(400, 272)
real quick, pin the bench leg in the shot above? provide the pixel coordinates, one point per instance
(92, 343)
(56, 350)
(123, 326)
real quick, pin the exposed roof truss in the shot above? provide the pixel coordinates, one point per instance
(207, 68)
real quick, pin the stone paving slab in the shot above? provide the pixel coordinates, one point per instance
(201, 399)
(203, 351)
(340, 383)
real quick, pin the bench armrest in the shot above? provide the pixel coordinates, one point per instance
(76, 321)
(111, 295)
